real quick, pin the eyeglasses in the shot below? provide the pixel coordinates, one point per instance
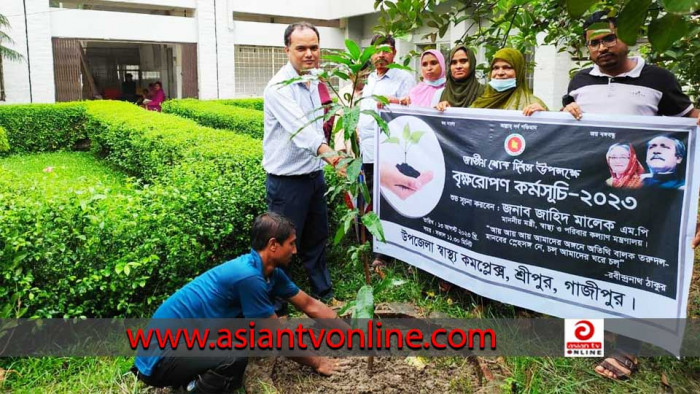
(608, 41)
(619, 157)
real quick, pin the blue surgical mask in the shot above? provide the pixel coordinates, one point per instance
(501, 85)
(435, 83)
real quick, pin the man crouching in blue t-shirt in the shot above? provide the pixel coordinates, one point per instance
(240, 288)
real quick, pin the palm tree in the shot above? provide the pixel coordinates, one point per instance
(5, 52)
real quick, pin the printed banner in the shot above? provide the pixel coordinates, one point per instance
(574, 219)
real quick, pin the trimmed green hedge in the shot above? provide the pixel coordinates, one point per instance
(96, 253)
(4, 143)
(219, 116)
(43, 127)
(251, 103)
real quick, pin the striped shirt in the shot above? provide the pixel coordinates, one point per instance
(290, 144)
(644, 90)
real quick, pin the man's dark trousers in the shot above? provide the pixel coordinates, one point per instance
(301, 198)
(213, 374)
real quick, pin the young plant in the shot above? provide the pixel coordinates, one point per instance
(409, 139)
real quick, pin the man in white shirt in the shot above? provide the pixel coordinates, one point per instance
(294, 148)
(383, 81)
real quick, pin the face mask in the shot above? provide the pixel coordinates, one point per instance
(435, 83)
(501, 85)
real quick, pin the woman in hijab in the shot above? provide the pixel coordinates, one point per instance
(507, 88)
(427, 93)
(625, 168)
(462, 87)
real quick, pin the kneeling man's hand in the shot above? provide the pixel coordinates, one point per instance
(328, 366)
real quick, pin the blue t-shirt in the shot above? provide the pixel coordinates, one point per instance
(234, 289)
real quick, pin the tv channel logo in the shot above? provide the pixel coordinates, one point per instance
(583, 337)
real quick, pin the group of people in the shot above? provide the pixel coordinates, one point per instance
(295, 149)
(149, 98)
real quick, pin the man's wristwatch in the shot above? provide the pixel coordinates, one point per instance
(566, 100)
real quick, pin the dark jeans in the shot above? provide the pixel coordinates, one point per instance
(301, 198)
(212, 374)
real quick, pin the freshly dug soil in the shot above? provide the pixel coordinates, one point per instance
(407, 170)
(389, 375)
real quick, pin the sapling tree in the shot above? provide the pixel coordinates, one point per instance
(409, 139)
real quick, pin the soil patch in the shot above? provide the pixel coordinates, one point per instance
(389, 375)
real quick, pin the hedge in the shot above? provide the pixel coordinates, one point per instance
(100, 252)
(219, 116)
(4, 143)
(43, 127)
(251, 103)
(97, 253)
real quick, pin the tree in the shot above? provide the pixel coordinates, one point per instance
(669, 27)
(5, 52)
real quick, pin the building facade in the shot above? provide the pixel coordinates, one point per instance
(83, 49)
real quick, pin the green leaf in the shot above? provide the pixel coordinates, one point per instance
(341, 75)
(391, 140)
(353, 49)
(399, 66)
(576, 8)
(364, 304)
(416, 136)
(367, 54)
(373, 225)
(365, 192)
(630, 20)
(353, 170)
(337, 59)
(681, 6)
(406, 132)
(347, 222)
(663, 32)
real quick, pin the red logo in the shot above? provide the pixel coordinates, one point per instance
(584, 330)
(514, 144)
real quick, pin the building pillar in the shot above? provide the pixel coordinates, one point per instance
(551, 75)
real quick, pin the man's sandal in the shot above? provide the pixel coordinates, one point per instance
(623, 361)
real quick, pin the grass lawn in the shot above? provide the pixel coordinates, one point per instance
(72, 172)
(50, 175)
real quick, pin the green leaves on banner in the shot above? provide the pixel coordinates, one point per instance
(663, 32)
(681, 6)
(630, 20)
(576, 8)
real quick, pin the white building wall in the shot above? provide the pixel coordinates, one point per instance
(272, 35)
(225, 49)
(31, 79)
(16, 73)
(40, 52)
(551, 77)
(305, 9)
(124, 26)
(206, 50)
